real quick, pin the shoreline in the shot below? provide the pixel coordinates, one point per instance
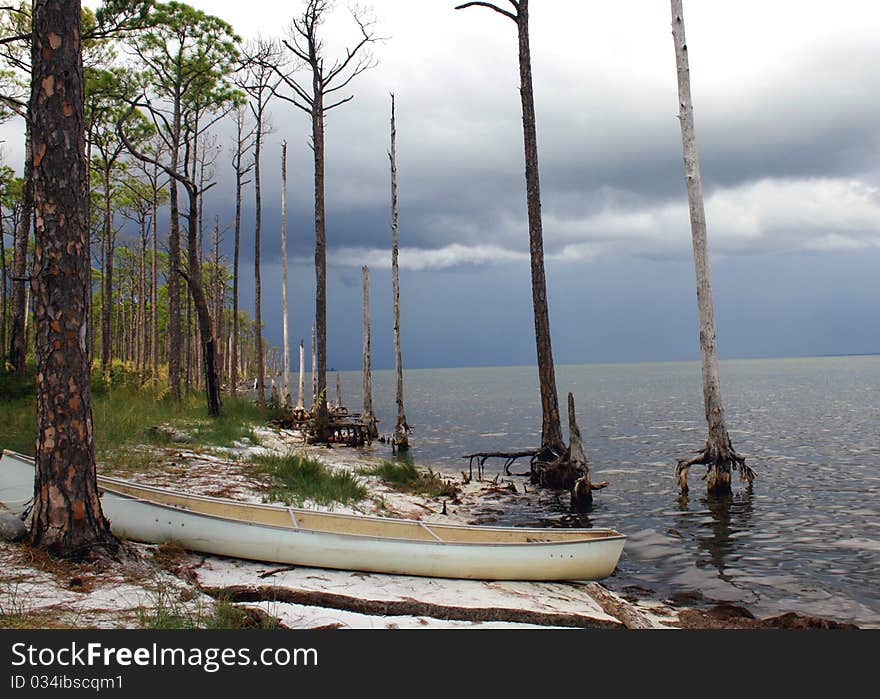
(138, 592)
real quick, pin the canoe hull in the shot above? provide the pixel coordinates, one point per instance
(139, 519)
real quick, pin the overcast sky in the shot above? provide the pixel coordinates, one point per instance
(788, 125)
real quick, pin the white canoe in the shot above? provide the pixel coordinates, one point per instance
(295, 536)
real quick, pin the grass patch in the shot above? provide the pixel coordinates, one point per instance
(404, 475)
(297, 478)
(169, 612)
(126, 413)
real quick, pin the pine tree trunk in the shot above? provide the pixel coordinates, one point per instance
(200, 306)
(369, 419)
(107, 292)
(551, 429)
(17, 332)
(285, 379)
(719, 455)
(67, 516)
(401, 428)
(154, 281)
(258, 313)
(173, 281)
(2, 295)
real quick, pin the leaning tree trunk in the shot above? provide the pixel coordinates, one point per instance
(285, 379)
(551, 429)
(718, 455)
(369, 419)
(401, 428)
(67, 516)
(17, 334)
(203, 315)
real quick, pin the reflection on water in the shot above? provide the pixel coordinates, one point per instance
(805, 537)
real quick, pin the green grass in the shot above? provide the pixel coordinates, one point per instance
(125, 415)
(297, 478)
(168, 612)
(404, 475)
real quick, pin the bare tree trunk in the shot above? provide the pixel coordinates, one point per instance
(67, 516)
(314, 369)
(718, 454)
(320, 414)
(552, 443)
(369, 419)
(551, 430)
(234, 359)
(17, 333)
(285, 379)
(401, 428)
(302, 367)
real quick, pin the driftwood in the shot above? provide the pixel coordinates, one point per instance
(411, 607)
(481, 457)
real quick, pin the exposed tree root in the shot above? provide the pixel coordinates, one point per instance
(719, 462)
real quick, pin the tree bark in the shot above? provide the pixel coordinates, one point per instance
(67, 516)
(314, 369)
(302, 361)
(718, 454)
(552, 443)
(551, 429)
(200, 305)
(154, 281)
(17, 333)
(320, 413)
(107, 292)
(258, 303)
(369, 419)
(234, 359)
(173, 282)
(3, 277)
(285, 379)
(401, 428)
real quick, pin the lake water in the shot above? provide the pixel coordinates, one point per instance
(805, 537)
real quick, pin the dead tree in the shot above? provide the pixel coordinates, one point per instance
(582, 492)
(67, 516)
(400, 439)
(242, 145)
(299, 398)
(552, 444)
(317, 96)
(314, 373)
(260, 84)
(368, 418)
(718, 455)
(285, 379)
